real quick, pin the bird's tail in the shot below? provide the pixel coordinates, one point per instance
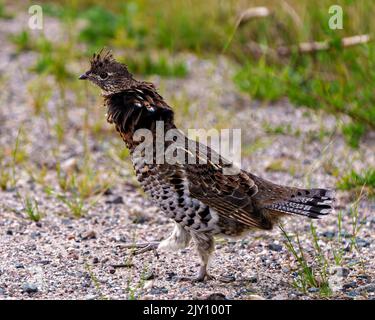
(312, 203)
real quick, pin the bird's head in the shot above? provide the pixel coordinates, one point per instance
(111, 76)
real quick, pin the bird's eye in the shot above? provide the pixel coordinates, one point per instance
(103, 75)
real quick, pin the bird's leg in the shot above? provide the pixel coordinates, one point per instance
(142, 247)
(205, 246)
(178, 239)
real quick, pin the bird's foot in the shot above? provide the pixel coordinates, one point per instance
(142, 247)
(200, 277)
(197, 278)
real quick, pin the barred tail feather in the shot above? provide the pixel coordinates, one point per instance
(312, 203)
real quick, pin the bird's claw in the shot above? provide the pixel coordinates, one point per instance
(198, 278)
(140, 248)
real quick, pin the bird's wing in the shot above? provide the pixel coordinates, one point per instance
(229, 195)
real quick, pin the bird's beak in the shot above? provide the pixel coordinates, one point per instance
(83, 76)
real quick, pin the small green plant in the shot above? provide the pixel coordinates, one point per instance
(40, 93)
(307, 276)
(353, 132)
(95, 281)
(22, 41)
(3, 13)
(74, 203)
(5, 178)
(338, 253)
(32, 209)
(356, 181)
(131, 289)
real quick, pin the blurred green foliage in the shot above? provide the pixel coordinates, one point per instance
(339, 80)
(355, 180)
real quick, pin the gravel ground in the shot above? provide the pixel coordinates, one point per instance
(63, 257)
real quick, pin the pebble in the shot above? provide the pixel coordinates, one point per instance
(148, 284)
(275, 247)
(255, 297)
(183, 289)
(216, 296)
(252, 279)
(349, 285)
(9, 232)
(352, 294)
(19, 266)
(112, 270)
(116, 200)
(91, 234)
(29, 288)
(362, 242)
(328, 234)
(368, 287)
(95, 260)
(313, 290)
(35, 235)
(158, 290)
(340, 271)
(148, 276)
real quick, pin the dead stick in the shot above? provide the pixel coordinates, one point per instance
(309, 47)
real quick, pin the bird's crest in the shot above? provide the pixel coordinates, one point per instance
(103, 57)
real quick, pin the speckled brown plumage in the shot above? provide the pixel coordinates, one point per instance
(200, 198)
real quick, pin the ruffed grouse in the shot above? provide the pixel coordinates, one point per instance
(202, 200)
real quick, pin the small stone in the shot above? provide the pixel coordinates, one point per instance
(216, 296)
(66, 222)
(29, 288)
(171, 275)
(340, 271)
(328, 234)
(105, 260)
(352, 294)
(2, 292)
(148, 284)
(313, 290)
(108, 192)
(252, 279)
(362, 242)
(255, 297)
(69, 165)
(158, 290)
(38, 224)
(116, 200)
(95, 260)
(285, 270)
(71, 237)
(364, 277)
(35, 235)
(19, 266)
(275, 247)
(91, 234)
(90, 297)
(349, 285)
(183, 289)
(148, 276)
(121, 239)
(9, 232)
(111, 270)
(228, 278)
(367, 288)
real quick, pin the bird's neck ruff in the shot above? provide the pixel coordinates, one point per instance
(137, 108)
